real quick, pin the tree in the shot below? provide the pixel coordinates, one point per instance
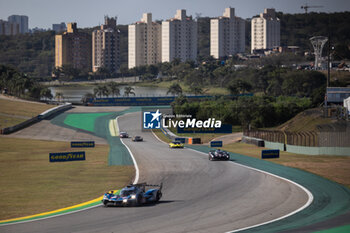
(175, 89)
(57, 72)
(239, 86)
(113, 88)
(59, 96)
(129, 91)
(86, 97)
(197, 90)
(101, 90)
(46, 93)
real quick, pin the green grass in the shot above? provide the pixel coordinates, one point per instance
(30, 184)
(85, 121)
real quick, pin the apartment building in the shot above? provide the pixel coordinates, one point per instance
(73, 47)
(144, 42)
(106, 46)
(265, 31)
(21, 20)
(59, 27)
(8, 28)
(179, 38)
(227, 35)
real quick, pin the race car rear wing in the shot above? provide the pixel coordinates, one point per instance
(149, 185)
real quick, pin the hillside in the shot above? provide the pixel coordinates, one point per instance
(308, 120)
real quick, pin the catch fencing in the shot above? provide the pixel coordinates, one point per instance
(328, 138)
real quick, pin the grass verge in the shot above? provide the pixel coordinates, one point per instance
(161, 136)
(24, 110)
(335, 168)
(30, 184)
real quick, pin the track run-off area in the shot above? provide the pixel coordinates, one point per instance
(244, 194)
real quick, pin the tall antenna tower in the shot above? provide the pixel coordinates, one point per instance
(318, 42)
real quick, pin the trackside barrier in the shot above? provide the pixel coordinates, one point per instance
(194, 140)
(36, 119)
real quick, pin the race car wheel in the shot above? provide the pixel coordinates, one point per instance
(159, 195)
(138, 200)
(105, 203)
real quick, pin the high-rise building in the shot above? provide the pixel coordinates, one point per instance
(144, 42)
(59, 27)
(8, 28)
(227, 34)
(106, 46)
(22, 21)
(265, 31)
(179, 38)
(73, 48)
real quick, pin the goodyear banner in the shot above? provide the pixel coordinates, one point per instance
(83, 144)
(67, 156)
(270, 154)
(216, 144)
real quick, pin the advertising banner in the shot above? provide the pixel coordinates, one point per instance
(67, 156)
(216, 144)
(270, 154)
(83, 144)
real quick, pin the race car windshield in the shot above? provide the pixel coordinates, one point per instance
(126, 193)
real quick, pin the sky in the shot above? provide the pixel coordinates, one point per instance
(90, 13)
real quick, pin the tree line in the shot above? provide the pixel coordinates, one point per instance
(249, 112)
(15, 83)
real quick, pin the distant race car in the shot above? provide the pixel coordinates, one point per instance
(218, 155)
(134, 195)
(137, 139)
(123, 135)
(176, 144)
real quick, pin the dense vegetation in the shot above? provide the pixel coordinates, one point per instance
(18, 84)
(254, 112)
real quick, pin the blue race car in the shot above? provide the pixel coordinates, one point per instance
(134, 195)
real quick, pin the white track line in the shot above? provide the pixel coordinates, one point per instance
(309, 194)
(137, 175)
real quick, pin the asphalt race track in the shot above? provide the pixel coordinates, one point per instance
(198, 195)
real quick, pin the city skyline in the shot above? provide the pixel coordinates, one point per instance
(43, 14)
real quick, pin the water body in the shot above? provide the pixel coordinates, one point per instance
(75, 93)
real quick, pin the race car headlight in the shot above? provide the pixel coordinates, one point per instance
(133, 196)
(125, 200)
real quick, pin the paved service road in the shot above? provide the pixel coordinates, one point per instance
(198, 195)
